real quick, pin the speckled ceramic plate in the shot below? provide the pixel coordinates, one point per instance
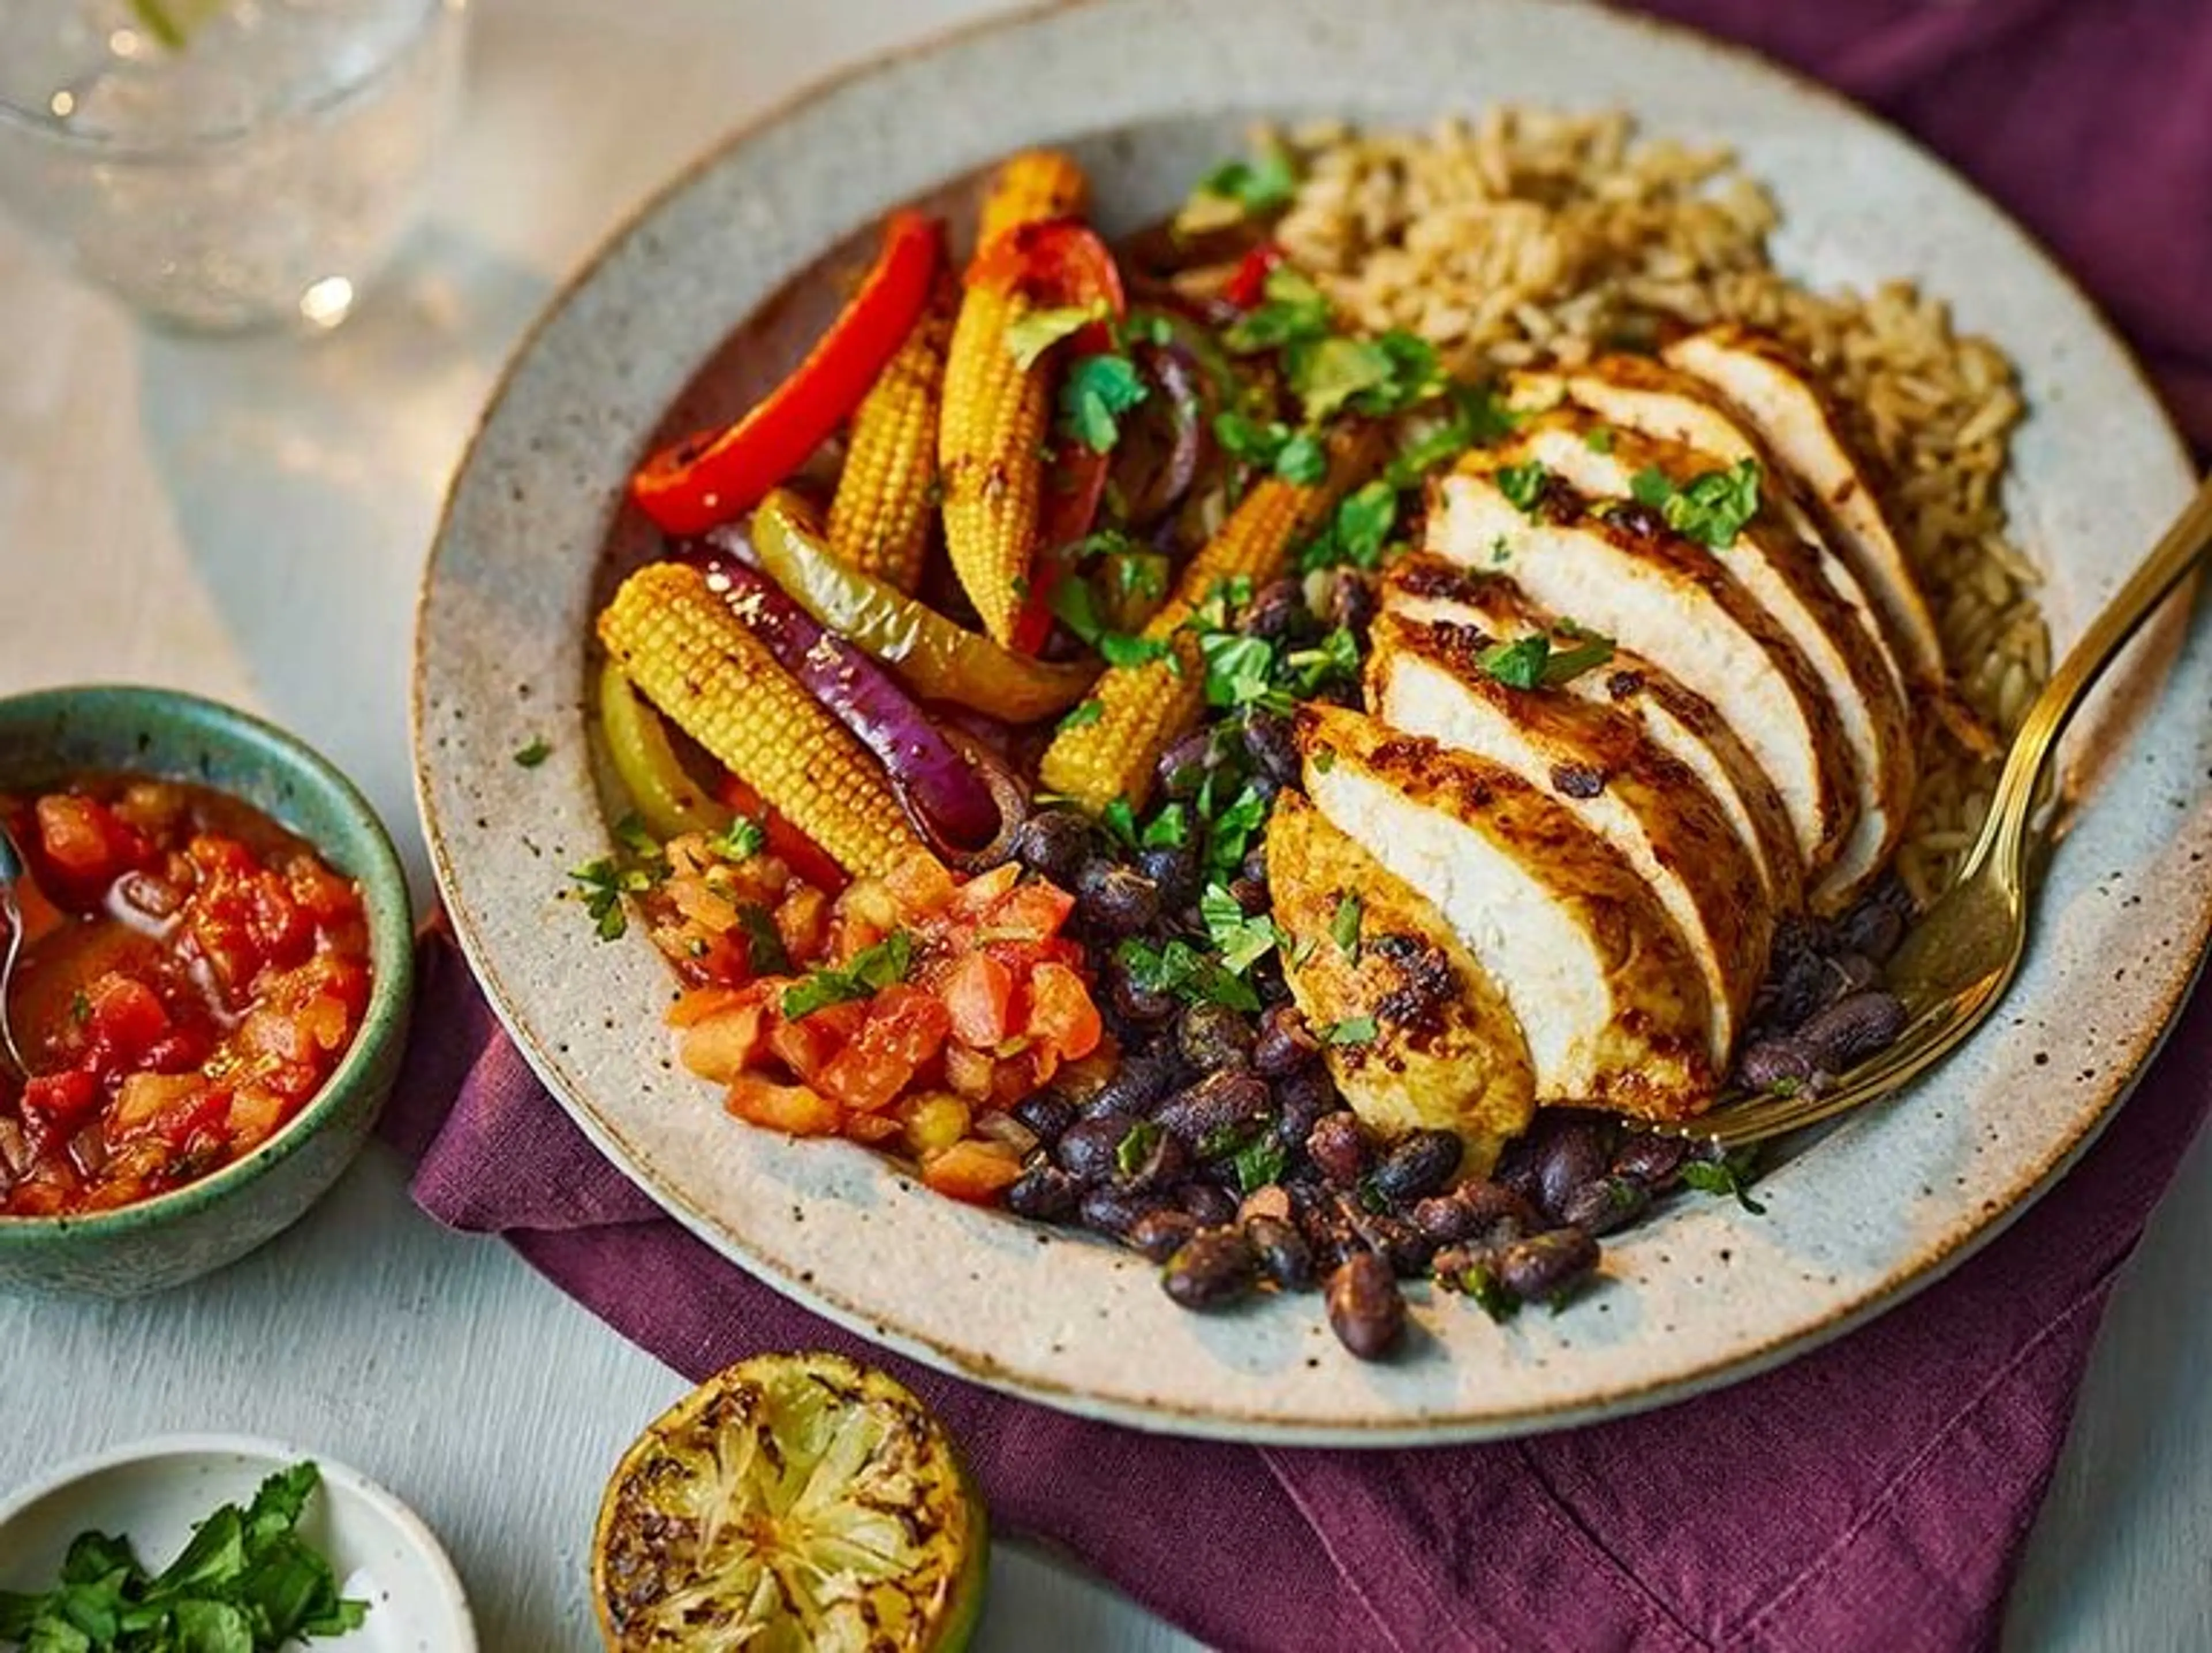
(692, 310)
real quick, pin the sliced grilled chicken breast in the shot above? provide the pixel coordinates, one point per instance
(1447, 1054)
(1686, 726)
(1761, 383)
(1675, 603)
(1634, 393)
(1785, 576)
(1428, 678)
(1614, 1010)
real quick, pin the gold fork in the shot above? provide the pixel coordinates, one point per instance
(1962, 953)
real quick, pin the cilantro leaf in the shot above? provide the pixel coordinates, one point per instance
(1169, 829)
(1120, 820)
(1489, 1293)
(1356, 533)
(1599, 439)
(1344, 928)
(1076, 607)
(1095, 394)
(1335, 658)
(1292, 310)
(1240, 671)
(1260, 1162)
(1327, 373)
(1030, 334)
(1524, 484)
(1731, 1175)
(1241, 941)
(1135, 1147)
(765, 953)
(1352, 1030)
(1182, 969)
(1531, 662)
(1712, 508)
(867, 973)
(742, 840)
(1259, 185)
(535, 752)
(1302, 459)
(1085, 713)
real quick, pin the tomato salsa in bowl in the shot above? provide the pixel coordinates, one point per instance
(213, 992)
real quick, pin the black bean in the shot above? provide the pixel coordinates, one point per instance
(1115, 899)
(1278, 609)
(1212, 1268)
(1283, 1254)
(1338, 1148)
(1160, 1234)
(1851, 1030)
(1144, 1076)
(1056, 843)
(1263, 786)
(1609, 1203)
(1793, 992)
(1212, 1205)
(1544, 1265)
(1267, 736)
(1151, 1159)
(1852, 972)
(1445, 1219)
(1774, 1063)
(1500, 1213)
(1044, 1192)
(1249, 894)
(1285, 1043)
(1087, 1150)
(1521, 1163)
(1182, 767)
(1351, 601)
(1649, 1158)
(1253, 867)
(1047, 1113)
(1301, 1099)
(1115, 1211)
(1135, 1002)
(1218, 1113)
(1576, 1153)
(1417, 1165)
(1874, 929)
(1214, 1038)
(1173, 869)
(1327, 1234)
(1366, 1311)
(1403, 1246)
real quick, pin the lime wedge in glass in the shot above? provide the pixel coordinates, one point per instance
(794, 1504)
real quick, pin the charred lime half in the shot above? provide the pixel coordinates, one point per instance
(794, 1504)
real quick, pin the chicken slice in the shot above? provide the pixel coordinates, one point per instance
(1769, 390)
(1614, 1010)
(1634, 393)
(1447, 1052)
(1685, 725)
(1786, 577)
(1428, 678)
(1675, 603)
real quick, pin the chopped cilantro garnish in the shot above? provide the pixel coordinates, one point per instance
(535, 753)
(1711, 508)
(1135, 1147)
(1121, 821)
(1352, 1030)
(1344, 928)
(1076, 607)
(1085, 713)
(79, 1007)
(1293, 310)
(1030, 335)
(1095, 394)
(1383, 375)
(764, 950)
(1240, 671)
(1182, 969)
(1139, 574)
(1523, 484)
(1259, 185)
(1732, 1174)
(632, 835)
(742, 840)
(1169, 829)
(1501, 550)
(1302, 459)
(1334, 658)
(1260, 1162)
(1356, 533)
(1531, 662)
(1242, 941)
(1489, 1295)
(1599, 439)
(866, 974)
(605, 881)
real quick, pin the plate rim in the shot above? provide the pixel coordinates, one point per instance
(2116, 1079)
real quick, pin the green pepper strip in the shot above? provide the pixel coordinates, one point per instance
(938, 659)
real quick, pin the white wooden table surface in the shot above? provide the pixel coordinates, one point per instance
(248, 519)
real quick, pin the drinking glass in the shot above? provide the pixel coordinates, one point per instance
(226, 163)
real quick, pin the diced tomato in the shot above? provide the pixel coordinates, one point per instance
(805, 858)
(125, 1020)
(1031, 912)
(973, 1171)
(798, 1109)
(1061, 1013)
(700, 1003)
(985, 890)
(802, 922)
(922, 887)
(805, 1046)
(144, 1098)
(864, 1077)
(253, 1115)
(1247, 285)
(978, 990)
(968, 1072)
(721, 1046)
(85, 845)
(871, 1127)
(59, 1102)
(210, 1113)
(908, 1022)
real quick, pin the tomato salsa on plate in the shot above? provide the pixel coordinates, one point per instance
(192, 974)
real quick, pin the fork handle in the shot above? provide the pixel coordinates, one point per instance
(2037, 743)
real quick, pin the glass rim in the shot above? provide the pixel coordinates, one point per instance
(42, 125)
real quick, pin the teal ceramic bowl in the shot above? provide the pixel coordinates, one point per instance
(50, 735)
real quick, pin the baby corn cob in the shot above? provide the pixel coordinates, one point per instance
(991, 433)
(1146, 708)
(879, 520)
(687, 654)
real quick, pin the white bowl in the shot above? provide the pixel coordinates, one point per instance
(153, 1490)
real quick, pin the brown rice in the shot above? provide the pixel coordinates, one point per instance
(1529, 235)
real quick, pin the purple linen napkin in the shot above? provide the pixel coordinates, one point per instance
(1872, 1495)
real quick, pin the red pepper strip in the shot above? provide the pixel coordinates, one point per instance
(807, 860)
(1059, 263)
(713, 476)
(1249, 285)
